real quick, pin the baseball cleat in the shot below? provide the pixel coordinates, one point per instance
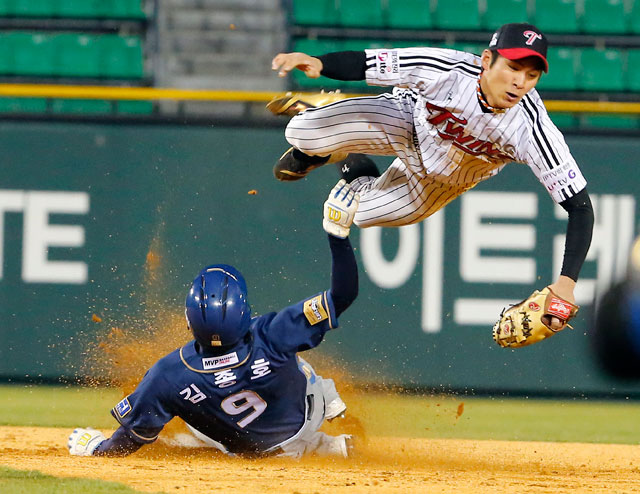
(335, 409)
(343, 445)
(288, 168)
(293, 103)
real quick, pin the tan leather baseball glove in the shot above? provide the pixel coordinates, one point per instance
(529, 321)
(291, 104)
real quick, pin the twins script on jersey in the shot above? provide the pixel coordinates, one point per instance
(460, 142)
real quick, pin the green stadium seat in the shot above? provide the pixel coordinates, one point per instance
(564, 120)
(364, 44)
(634, 17)
(315, 13)
(556, 16)
(78, 8)
(601, 70)
(603, 16)
(461, 14)
(90, 9)
(501, 12)
(562, 70)
(317, 46)
(409, 14)
(633, 70)
(33, 54)
(135, 107)
(71, 55)
(412, 44)
(95, 9)
(81, 106)
(23, 105)
(121, 57)
(361, 13)
(6, 48)
(32, 8)
(476, 48)
(76, 55)
(122, 9)
(617, 122)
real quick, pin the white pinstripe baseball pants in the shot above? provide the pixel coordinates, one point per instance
(377, 125)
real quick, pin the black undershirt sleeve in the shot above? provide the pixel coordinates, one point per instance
(344, 273)
(344, 65)
(579, 232)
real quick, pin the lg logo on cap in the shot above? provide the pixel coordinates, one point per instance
(531, 37)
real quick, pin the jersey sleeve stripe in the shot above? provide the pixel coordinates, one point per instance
(443, 69)
(551, 161)
(538, 132)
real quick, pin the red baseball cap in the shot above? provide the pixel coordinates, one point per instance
(520, 40)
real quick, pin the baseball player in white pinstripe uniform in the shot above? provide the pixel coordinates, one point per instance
(452, 120)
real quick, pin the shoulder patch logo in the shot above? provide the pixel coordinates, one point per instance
(123, 408)
(314, 311)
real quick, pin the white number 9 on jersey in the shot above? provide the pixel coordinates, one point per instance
(242, 401)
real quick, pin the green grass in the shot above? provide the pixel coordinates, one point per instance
(57, 406)
(511, 419)
(32, 482)
(381, 414)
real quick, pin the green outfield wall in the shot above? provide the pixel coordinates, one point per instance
(83, 205)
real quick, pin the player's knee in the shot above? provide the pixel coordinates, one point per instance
(299, 138)
(293, 134)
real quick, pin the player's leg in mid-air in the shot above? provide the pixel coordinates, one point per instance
(401, 196)
(377, 125)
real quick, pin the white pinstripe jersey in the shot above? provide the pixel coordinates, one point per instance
(460, 144)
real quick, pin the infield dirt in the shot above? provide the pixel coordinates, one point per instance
(383, 465)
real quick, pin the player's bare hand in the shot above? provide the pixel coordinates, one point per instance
(286, 62)
(564, 288)
(556, 324)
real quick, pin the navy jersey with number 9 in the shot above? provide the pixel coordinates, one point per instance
(248, 400)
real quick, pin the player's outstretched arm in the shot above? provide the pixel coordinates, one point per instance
(548, 311)
(578, 240)
(90, 442)
(340, 65)
(339, 211)
(286, 62)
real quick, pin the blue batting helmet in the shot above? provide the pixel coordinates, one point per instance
(217, 310)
